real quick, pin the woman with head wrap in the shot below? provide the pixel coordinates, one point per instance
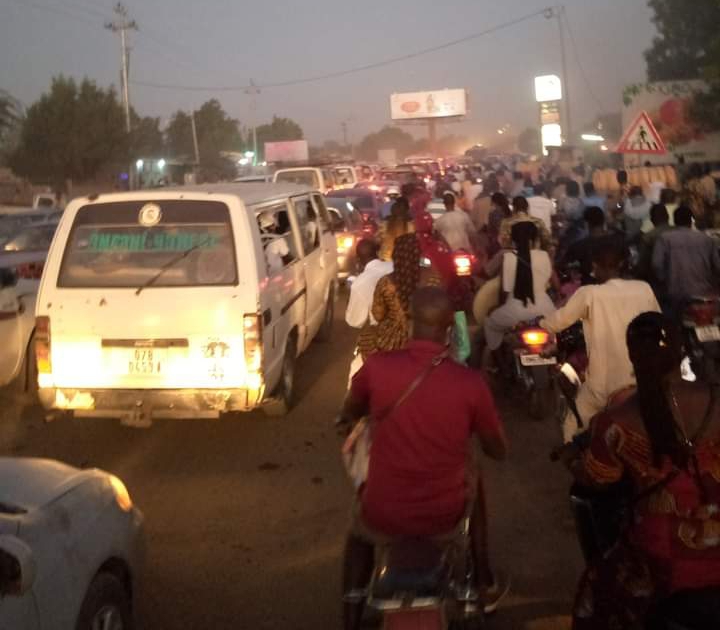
(391, 302)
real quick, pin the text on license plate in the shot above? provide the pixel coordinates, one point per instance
(707, 333)
(529, 360)
(145, 361)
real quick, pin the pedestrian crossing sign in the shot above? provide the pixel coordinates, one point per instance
(642, 137)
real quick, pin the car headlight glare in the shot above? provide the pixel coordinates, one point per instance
(122, 496)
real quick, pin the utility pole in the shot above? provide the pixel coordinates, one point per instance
(121, 24)
(558, 12)
(253, 92)
(195, 140)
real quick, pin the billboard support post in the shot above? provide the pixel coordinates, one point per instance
(432, 136)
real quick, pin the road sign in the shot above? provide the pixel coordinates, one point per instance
(642, 137)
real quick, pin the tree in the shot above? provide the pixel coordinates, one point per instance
(685, 29)
(146, 139)
(72, 132)
(387, 138)
(10, 121)
(529, 141)
(216, 133)
(279, 130)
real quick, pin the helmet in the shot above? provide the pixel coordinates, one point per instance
(393, 191)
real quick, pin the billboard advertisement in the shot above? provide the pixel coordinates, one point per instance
(668, 106)
(289, 151)
(435, 104)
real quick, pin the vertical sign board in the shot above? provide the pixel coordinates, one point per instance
(549, 94)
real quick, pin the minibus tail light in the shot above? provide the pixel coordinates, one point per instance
(252, 336)
(42, 345)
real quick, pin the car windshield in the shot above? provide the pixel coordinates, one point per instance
(303, 178)
(123, 245)
(361, 202)
(35, 238)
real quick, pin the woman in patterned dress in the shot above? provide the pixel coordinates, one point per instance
(665, 440)
(391, 302)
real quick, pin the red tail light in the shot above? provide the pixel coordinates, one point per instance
(42, 345)
(703, 314)
(463, 265)
(30, 271)
(534, 337)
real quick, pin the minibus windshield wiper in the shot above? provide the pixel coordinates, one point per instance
(170, 263)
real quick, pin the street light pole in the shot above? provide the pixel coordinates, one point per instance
(253, 91)
(558, 13)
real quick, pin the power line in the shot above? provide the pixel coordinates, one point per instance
(576, 54)
(63, 11)
(342, 73)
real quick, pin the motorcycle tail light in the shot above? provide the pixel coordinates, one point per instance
(703, 314)
(463, 265)
(42, 345)
(534, 337)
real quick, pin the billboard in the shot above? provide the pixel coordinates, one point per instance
(289, 151)
(548, 88)
(668, 105)
(435, 104)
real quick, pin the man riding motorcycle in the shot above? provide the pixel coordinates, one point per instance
(417, 483)
(605, 310)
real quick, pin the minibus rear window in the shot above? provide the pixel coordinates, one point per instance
(178, 243)
(302, 178)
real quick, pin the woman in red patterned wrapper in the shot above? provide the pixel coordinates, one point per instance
(665, 440)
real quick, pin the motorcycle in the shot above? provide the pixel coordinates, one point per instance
(701, 337)
(419, 585)
(529, 354)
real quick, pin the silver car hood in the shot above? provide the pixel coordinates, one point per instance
(29, 483)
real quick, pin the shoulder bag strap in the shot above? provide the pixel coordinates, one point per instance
(413, 386)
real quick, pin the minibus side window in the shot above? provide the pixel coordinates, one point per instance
(276, 235)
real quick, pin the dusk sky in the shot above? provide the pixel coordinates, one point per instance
(227, 43)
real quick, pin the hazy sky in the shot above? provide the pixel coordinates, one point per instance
(228, 42)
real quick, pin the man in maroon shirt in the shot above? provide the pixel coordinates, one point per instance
(419, 469)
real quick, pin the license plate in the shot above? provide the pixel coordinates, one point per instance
(144, 361)
(707, 333)
(532, 360)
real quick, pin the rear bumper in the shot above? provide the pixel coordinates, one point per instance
(150, 403)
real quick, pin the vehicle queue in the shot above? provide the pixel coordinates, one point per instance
(228, 285)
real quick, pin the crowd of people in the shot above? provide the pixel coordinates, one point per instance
(554, 250)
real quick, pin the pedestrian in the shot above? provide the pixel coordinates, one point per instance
(391, 300)
(500, 211)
